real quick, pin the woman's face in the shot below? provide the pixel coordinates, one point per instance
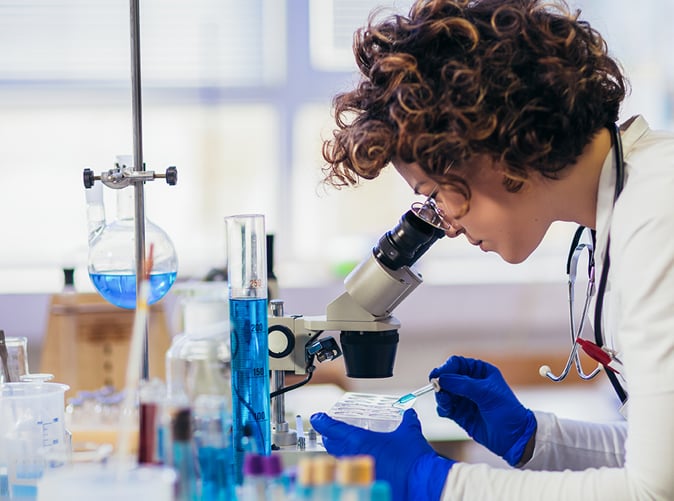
(510, 224)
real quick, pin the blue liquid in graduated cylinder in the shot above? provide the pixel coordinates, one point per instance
(250, 379)
(120, 289)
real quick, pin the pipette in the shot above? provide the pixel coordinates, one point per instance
(434, 385)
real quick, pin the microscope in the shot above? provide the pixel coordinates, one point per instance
(362, 315)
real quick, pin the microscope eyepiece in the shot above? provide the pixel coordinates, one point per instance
(407, 242)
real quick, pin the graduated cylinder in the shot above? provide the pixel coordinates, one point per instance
(247, 279)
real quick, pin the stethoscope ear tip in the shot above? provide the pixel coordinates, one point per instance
(545, 371)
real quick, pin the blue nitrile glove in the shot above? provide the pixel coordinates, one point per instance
(475, 395)
(403, 457)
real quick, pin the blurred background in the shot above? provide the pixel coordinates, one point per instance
(237, 95)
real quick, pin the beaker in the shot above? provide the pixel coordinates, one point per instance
(17, 359)
(199, 359)
(247, 279)
(112, 252)
(31, 424)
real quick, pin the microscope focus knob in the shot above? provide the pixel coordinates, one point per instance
(281, 341)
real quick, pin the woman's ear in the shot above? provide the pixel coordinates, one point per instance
(513, 180)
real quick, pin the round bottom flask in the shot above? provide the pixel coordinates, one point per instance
(112, 255)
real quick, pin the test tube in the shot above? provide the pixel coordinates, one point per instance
(183, 460)
(212, 424)
(355, 476)
(247, 280)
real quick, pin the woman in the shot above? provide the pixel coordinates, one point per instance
(503, 113)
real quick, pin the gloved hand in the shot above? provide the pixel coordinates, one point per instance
(402, 457)
(475, 395)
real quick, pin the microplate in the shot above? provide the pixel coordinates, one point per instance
(368, 411)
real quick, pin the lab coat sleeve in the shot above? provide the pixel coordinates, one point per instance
(567, 444)
(649, 479)
(561, 444)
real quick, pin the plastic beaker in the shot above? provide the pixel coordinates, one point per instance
(247, 280)
(31, 424)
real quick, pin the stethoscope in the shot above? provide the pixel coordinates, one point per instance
(605, 357)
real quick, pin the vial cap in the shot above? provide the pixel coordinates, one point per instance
(305, 475)
(253, 465)
(324, 470)
(272, 465)
(182, 425)
(355, 470)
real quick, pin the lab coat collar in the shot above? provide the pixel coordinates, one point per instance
(630, 132)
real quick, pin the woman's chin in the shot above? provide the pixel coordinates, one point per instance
(510, 258)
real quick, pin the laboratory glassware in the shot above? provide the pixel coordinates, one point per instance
(247, 280)
(16, 363)
(213, 440)
(4, 360)
(276, 484)
(182, 456)
(112, 253)
(31, 424)
(151, 397)
(354, 477)
(253, 483)
(323, 477)
(199, 359)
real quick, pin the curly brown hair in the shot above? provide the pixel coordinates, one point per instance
(526, 83)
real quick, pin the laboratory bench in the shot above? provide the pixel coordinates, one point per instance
(526, 327)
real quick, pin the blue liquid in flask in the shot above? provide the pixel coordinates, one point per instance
(250, 380)
(120, 289)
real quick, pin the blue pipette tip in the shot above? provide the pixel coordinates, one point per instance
(405, 399)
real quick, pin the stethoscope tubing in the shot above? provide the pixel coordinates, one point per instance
(571, 267)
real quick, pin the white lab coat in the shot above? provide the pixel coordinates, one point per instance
(630, 460)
